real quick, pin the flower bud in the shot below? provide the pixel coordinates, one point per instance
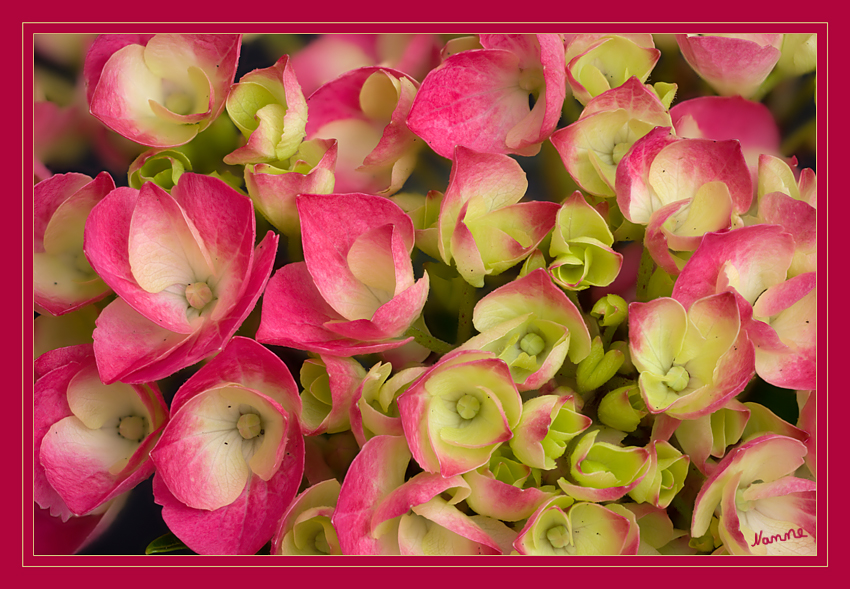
(622, 408)
(598, 367)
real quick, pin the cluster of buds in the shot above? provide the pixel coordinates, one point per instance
(523, 356)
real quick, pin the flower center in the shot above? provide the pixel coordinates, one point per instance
(558, 536)
(249, 426)
(531, 79)
(132, 428)
(468, 406)
(321, 543)
(532, 344)
(198, 295)
(677, 378)
(619, 151)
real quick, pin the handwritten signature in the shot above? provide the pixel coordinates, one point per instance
(790, 534)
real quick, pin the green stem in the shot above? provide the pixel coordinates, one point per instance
(464, 315)
(644, 274)
(429, 341)
(294, 252)
(608, 335)
(571, 294)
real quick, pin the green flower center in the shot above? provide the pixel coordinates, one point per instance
(468, 406)
(531, 79)
(249, 426)
(532, 344)
(198, 295)
(620, 150)
(677, 378)
(179, 103)
(321, 543)
(132, 428)
(558, 536)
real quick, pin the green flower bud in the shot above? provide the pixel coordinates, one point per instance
(611, 309)
(622, 408)
(666, 92)
(598, 367)
(163, 168)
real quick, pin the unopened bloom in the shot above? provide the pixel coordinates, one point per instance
(547, 425)
(602, 471)
(581, 245)
(732, 63)
(268, 107)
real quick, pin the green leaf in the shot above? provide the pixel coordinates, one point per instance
(164, 544)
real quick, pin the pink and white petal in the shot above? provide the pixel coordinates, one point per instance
(262, 263)
(417, 491)
(466, 254)
(731, 65)
(201, 454)
(391, 319)
(224, 222)
(250, 364)
(61, 205)
(454, 521)
(679, 170)
(473, 99)
(754, 257)
(82, 464)
(396, 138)
(107, 238)
(164, 248)
(59, 287)
(796, 217)
(635, 195)
(493, 498)
(150, 353)
(376, 471)
(729, 117)
(245, 525)
(657, 333)
(99, 53)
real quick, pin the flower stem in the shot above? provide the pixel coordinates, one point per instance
(644, 274)
(464, 315)
(429, 341)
